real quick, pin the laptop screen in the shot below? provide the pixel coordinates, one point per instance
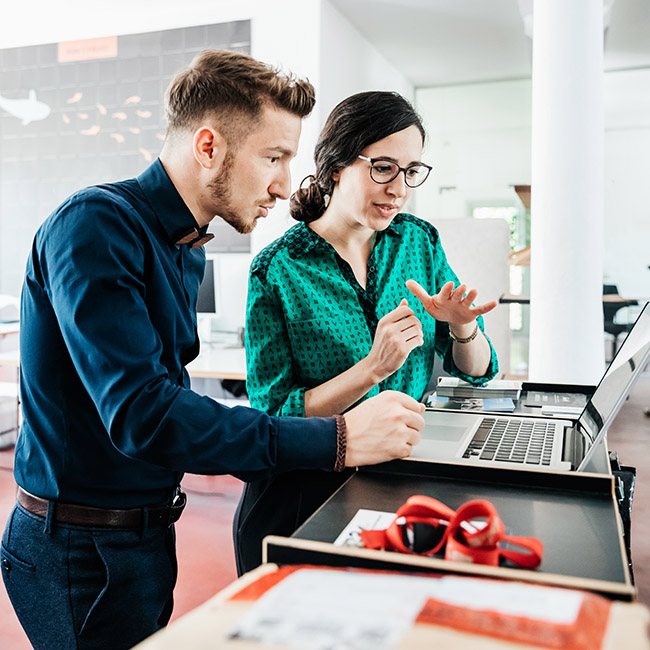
(616, 383)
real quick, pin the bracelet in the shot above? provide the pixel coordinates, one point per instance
(341, 443)
(468, 339)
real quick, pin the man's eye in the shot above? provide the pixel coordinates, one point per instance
(274, 159)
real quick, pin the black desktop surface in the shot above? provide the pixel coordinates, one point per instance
(575, 519)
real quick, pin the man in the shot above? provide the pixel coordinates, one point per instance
(108, 325)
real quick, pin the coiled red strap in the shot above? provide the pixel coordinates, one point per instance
(465, 541)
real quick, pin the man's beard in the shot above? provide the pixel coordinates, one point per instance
(221, 193)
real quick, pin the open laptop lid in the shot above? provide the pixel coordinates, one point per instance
(616, 384)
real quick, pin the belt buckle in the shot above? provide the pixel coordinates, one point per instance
(176, 509)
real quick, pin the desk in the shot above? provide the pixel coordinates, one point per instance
(213, 363)
(608, 298)
(208, 625)
(10, 358)
(219, 363)
(6, 329)
(529, 502)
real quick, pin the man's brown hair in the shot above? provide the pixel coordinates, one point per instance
(230, 86)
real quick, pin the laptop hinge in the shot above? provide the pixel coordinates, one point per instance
(575, 445)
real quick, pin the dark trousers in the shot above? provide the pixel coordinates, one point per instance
(277, 506)
(84, 588)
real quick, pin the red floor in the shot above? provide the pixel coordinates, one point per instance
(205, 552)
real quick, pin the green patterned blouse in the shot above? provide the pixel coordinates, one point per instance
(308, 319)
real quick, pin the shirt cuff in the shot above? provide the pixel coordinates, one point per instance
(306, 443)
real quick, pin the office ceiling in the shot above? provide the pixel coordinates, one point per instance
(442, 42)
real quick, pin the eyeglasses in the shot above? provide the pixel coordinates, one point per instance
(384, 171)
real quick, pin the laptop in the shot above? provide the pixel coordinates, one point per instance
(534, 442)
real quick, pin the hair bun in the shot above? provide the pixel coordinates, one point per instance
(308, 203)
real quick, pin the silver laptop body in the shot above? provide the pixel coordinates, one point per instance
(534, 442)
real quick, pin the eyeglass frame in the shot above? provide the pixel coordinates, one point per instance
(372, 161)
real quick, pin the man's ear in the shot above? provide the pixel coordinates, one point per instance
(208, 147)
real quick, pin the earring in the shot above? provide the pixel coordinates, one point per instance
(326, 200)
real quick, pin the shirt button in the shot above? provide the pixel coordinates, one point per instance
(5, 565)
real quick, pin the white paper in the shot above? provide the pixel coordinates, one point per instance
(363, 520)
(345, 610)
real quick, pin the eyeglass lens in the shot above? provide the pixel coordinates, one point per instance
(384, 171)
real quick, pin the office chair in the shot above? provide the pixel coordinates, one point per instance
(610, 310)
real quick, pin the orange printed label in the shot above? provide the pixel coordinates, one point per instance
(87, 48)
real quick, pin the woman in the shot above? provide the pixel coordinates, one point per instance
(355, 299)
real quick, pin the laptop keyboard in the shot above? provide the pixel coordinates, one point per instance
(516, 441)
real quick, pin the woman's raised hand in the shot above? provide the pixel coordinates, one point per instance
(450, 305)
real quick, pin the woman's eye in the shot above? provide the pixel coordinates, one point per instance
(383, 169)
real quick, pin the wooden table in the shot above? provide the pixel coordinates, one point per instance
(213, 363)
(523, 299)
(219, 363)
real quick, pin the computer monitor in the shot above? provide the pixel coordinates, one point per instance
(206, 302)
(221, 303)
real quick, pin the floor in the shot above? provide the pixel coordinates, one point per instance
(206, 561)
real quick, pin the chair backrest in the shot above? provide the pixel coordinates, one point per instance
(610, 309)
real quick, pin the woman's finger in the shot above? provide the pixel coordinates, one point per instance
(418, 291)
(471, 295)
(459, 292)
(484, 309)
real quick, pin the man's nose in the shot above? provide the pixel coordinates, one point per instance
(281, 185)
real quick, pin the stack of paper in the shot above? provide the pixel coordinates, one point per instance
(497, 388)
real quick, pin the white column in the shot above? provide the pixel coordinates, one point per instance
(566, 313)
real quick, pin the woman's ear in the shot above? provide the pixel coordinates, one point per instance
(336, 176)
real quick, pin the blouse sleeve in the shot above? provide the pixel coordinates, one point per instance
(270, 379)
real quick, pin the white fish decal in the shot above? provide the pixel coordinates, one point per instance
(26, 110)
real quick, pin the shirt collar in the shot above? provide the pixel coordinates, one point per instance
(301, 239)
(173, 214)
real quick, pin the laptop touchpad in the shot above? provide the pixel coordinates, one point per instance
(444, 433)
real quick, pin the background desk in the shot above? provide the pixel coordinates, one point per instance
(212, 363)
(219, 363)
(9, 397)
(609, 298)
(10, 359)
(9, 328)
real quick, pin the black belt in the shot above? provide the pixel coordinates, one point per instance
(136, 518)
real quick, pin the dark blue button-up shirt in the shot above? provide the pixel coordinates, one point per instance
(108, 325)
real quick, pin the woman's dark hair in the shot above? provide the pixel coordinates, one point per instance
(355, 123)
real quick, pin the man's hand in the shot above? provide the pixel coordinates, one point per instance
(383, 428)
(450, 305)
(398, 333)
